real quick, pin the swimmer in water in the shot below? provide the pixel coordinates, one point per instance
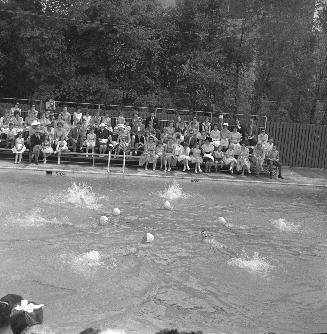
(215, 245)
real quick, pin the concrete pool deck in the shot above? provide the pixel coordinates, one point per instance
(292, 176)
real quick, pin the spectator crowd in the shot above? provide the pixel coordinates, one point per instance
(201, 145)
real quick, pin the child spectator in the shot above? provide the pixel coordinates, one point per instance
(178, 153)
(19, 148)
(46, 148)
(197, 158)
(185, 157)
(207, 150)
(218, 156)
(229, 159)
(243, 162)
(160, 152)
(90, 142)
(169, 153)
(61, 147)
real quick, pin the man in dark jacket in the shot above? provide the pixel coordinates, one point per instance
(74, 137)
(35, 146)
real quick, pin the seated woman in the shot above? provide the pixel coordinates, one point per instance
(258, 157)
(197, 157)
(218, 156)
(243, 162)
(77, 116)
(160, 152)
(149, 154)
(235, 139)
(215, 136)
(207, 150)
(229, 159)
(224, 137)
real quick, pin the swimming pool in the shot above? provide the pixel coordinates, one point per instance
(54, 251)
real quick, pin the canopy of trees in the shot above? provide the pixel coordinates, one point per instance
(243, 56)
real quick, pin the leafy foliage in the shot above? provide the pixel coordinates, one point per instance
(232, 56)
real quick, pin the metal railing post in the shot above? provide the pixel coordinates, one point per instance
(109, 158)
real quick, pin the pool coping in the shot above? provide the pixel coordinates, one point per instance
(194, 178)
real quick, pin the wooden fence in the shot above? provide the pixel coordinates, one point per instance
(300, 145)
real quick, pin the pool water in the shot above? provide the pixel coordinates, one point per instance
(270, 276)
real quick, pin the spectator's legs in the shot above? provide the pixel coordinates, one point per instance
(279, 165)
(59, 153)
(87, 151)
(154, 164)
(20, 157)
(16, 158)
(36, 154)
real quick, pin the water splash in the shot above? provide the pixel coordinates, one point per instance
(79, 195)
(35, 218)
(88, 262)
(254, 264)
(173, 192)
(284, 225)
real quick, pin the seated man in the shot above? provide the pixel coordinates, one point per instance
(35, 146)
(273, 160)
(75, 138)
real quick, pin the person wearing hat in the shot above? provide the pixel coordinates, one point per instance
(225, 137)
(103, 139)
(25, 315)
(207, 150)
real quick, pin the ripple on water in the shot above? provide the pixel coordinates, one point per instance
(35, 218)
